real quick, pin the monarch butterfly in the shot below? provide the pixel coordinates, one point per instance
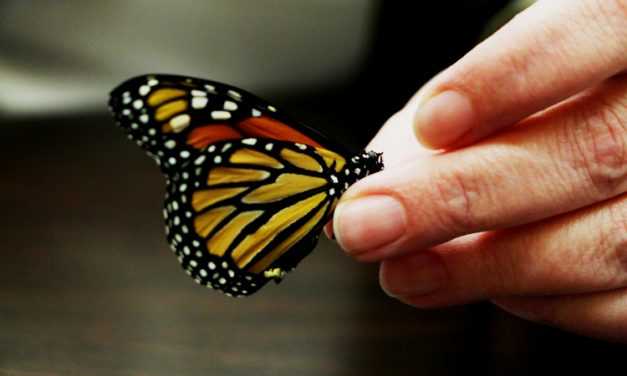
(248, 187)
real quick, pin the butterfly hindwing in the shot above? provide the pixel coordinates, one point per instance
(247, 211)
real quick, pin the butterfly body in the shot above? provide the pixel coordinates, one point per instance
(248, 187)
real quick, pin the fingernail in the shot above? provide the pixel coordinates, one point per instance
(443, 119)
(417, 275)
(368, 223)
(328, 230)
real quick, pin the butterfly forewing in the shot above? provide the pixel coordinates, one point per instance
(174, 117)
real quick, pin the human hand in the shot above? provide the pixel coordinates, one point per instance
(527, 204)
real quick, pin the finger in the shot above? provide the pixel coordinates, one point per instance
(577, 253)
(397, 143)
(570, 157)
(328, 230)
(396, 140)
(546, 54)
(601, 315)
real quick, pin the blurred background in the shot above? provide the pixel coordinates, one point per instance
(88, 285)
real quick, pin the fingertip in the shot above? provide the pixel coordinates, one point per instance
(362, 225)
(328, 230)
(412, 276)
(443, 119)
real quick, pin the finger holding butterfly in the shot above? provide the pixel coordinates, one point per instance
(537, 209)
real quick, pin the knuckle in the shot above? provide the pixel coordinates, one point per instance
(506, 274)
(614, 238)
(602, 148)
(517, 68)
(458, 194)
(540, 309)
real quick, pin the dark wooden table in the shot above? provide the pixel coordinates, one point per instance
(88, 286)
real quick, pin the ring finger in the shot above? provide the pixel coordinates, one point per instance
(576, 253)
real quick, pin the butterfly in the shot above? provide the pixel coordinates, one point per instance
(248, 187)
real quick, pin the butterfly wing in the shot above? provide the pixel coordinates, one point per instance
(173, 117)
(247, 211)
(248, 187)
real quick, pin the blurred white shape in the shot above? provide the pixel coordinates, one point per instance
(66, 55)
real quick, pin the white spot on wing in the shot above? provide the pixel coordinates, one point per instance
(199, 160)
(220, 115)
(143, 90)
(249, 141)
(234, 94)
(170, 144)
(138, 104)
(230, 106)
(199, 102)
